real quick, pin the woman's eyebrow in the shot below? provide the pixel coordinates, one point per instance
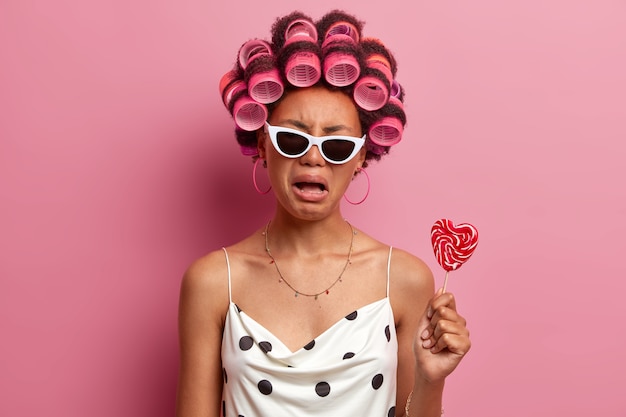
(300, 125)
(337, 128)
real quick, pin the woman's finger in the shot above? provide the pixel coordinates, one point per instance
(455, 343)
(447, 314)
(441, 300)
(441, 328)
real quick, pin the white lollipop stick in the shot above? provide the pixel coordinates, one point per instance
(445, 282)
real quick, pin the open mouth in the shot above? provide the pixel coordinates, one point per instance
(311, 187)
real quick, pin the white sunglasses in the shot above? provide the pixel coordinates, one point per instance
(292, 143)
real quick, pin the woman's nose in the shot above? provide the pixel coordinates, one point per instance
(313, 157)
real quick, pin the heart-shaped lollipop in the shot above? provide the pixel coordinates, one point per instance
(453, 244)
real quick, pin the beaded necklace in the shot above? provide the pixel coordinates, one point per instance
(297, 292)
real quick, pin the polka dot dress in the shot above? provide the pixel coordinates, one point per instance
(349, 370)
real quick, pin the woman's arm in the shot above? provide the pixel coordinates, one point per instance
(202, 309)
(432, 337)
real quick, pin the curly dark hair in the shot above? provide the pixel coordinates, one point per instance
(374, 65)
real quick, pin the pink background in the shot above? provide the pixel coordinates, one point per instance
(118, 168)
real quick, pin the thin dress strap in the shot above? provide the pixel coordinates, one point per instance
(230, 298)
(388, 269)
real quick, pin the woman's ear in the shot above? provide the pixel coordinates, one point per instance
(361, 157)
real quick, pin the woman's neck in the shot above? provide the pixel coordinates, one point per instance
(308, 237)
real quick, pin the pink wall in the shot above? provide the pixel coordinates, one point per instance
(118, 167)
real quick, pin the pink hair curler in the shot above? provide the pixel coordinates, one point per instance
(231, 90)
(396, 102)
(266, 87)
(249, 114)
(370, 93)
(300, 30)
(303, 67)
(340, 67)
(226, 80)
(386, 131)
(251, 50)
(396, 91)
(264, 84)
(249, 150)
(381, 64)
(341, 32)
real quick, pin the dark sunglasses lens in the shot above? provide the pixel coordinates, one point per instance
(291, 143)
(338, 149)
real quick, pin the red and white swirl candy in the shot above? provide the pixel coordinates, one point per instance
(453, 244)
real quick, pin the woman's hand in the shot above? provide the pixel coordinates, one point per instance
(442, 338)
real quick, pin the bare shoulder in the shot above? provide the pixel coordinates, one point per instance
(208, 273)
(204, 287)
(409, 272)
(207, 278)
(202, 313)
(411, 284)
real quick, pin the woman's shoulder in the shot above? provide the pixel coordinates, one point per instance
(211, 271)
(207, 266)
(407, 272)
(406, 265)
(206, 279)
(411, 284)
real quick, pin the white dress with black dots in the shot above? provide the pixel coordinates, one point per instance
(348, 370)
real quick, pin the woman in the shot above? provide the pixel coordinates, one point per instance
(309, 316)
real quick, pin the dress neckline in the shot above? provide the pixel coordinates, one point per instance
(234, 308)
